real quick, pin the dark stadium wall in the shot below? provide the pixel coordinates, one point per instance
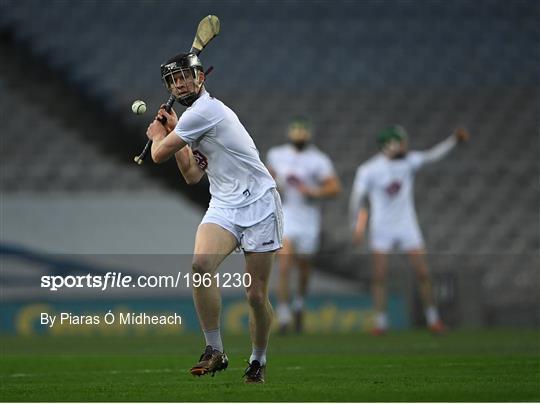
(60, 98)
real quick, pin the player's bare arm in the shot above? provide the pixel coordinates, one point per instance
(440, 150)
(361, 225)
(279, 181)
(330, 187)
(184, 157)
(188, 166)
(462, 135)
(272, 172)
(164, 145)
(358, 207)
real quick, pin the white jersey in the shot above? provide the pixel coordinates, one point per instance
(310, 167)
(389, 184)
(225, 151)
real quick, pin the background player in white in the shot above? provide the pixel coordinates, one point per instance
(387, 180)
(304, 174)
(245, 209)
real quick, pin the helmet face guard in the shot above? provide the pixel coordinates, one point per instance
(178, 75)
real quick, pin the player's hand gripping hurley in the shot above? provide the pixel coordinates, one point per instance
(207, 30)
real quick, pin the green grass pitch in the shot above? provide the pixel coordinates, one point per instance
(499, 365)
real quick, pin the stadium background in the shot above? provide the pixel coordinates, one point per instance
(73, 201)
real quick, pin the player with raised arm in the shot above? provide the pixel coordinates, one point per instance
(387, 180)
(244, 211)
(304, 175)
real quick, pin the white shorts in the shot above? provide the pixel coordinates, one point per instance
(304, 240)
(258, 227)
(404, 240)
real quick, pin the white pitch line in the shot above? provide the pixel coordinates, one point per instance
(145, 371)
(111, 372)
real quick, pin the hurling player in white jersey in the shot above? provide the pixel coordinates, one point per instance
(304, 175)
(387, 180)
(244, 211)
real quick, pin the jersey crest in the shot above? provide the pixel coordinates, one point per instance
(201, 159)
(393, 189)
(293, 180)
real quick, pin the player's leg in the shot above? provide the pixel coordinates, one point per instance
(418, 260)
(304, 264)
(378, 290)
(417, 257)
(286, 261)
(259, 266)
(306, 245)
(381, 245)
(212, 245)
(304, 268)
(260, 242)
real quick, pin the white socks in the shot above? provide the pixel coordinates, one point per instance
(258, 354)
(431, 312)
(432, 315)
(381, 320)
(213, 338)
(284, 314)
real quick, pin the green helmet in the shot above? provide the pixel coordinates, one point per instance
(300, 122)
(392, 133)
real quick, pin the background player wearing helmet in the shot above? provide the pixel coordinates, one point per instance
(304, 174)
(387, 180)
(244, 210)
